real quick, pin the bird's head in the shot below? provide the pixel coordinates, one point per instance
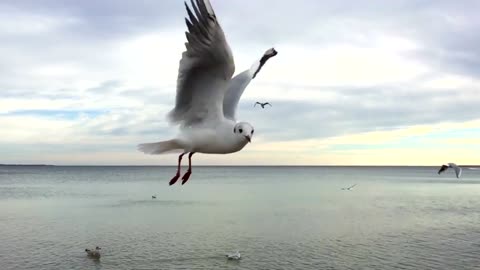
(244, 131)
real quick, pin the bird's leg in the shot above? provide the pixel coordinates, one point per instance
(189, 172)
(175, 178)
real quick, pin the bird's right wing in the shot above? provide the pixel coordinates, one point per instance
(205, 71)
(458, 171)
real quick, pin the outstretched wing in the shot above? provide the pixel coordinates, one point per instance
(234, 93)
(442, 169)
(240, 82)
(205, 71)
(458, 171)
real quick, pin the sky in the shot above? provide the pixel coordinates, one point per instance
(355, 83)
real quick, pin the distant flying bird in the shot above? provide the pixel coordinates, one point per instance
(95, 253)
(262, 104)
(458, 170)
(234, 256)
(207, 96)
(349, 188)
(154, 196)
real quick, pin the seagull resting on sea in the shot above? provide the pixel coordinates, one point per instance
(94, 253)
(349, 188)
(207, 95)
(262, 104)
(458, 170)
(234, 256)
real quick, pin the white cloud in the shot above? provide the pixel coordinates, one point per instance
(339, 68)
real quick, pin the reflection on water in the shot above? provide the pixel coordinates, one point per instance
(278, 217)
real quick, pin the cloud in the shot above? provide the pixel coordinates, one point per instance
(95, 78)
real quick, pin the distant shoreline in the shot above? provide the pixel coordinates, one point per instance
(29, 165)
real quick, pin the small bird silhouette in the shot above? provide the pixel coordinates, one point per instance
(349, 188)
(262, 104)
(458, 170)
(154, 196)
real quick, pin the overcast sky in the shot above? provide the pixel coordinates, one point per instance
(365, 82)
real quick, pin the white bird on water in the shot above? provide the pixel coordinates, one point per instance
(207, 95)
(234, 256)
(458, 170)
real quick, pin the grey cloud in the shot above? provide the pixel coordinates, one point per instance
(359, 110)
(446, 31)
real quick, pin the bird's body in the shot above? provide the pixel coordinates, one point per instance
(154, 196)
(458, 170)
(262, 104)
(234, 256)
(211, 140)
(93, 253)
(207, 96)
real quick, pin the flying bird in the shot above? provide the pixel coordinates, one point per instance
(207, 96)
(154, 197)
(349, 188)
(458, 170)
(262, 104)
(93, 253)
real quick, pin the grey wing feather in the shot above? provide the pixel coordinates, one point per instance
(235, 90)
(205, 69)
(458, 171)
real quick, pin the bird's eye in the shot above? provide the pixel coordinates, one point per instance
(252, 131)
(241, 130)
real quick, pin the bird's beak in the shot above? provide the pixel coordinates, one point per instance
(249, 139)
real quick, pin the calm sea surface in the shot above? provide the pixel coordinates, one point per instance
(277, 217)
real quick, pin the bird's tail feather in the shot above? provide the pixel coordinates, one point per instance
(158, 148)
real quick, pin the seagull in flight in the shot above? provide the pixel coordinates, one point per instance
(262, 104)
(207, 96)
(349, 188)
(458, 170)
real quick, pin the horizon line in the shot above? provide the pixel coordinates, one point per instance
(273, 165)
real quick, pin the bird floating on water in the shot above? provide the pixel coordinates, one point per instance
(349, 188)
(94, 253)
(458, 170)
(262, 104)
(234, 256)
(207, 96)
